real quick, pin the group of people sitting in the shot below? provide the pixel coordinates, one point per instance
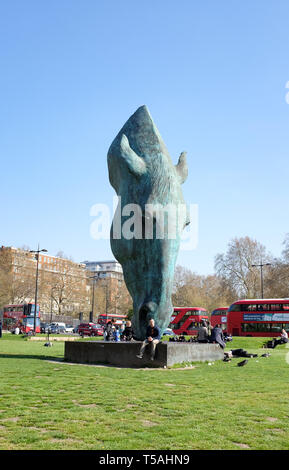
(207, 334)
(113, 332)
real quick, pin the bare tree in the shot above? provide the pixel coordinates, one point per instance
(277, 279)
(194, 290)
(5, 278)
(17, 281)
(62, 255)
(235, 266)
(66, 289)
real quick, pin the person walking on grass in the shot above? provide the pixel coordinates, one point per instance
(153, 336)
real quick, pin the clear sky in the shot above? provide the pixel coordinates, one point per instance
(213, 75)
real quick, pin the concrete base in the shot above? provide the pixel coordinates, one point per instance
(124, 354)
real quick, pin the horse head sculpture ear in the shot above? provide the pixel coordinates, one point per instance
(135, 164)
(182, 167)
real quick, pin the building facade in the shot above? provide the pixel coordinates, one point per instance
(109, 292)
(105, 269)
(63, 286)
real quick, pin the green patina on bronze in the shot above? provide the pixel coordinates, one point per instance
(141, 172)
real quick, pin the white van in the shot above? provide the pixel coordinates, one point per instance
(57, 323)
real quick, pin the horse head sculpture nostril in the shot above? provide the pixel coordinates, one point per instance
(143, 317)
(147, 312)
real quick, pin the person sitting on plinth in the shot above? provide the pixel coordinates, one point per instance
(109, 329)
(202, 333)
(116, 334)
(127, 333)
(217, 336)
(153, 336)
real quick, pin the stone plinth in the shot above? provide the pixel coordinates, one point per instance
(124, 354)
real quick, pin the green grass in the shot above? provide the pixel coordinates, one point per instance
(49, 404)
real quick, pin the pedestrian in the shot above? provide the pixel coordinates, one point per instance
(153, 336)
(121, 329)
(116, 334)
(127, 333)
(209, 328)
(0, 328)
(283, 339)
(202, 333)
(217, 336)
(109, 330)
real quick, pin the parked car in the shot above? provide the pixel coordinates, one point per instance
(168, 332)
(44, 327)
(90, 329)
(56, 329)
(99, 330)
(58, 323)
(69, 328)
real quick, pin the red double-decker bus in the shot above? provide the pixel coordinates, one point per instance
(219, 317)
(103, 318)
(186, 320)
(21, 316)
(258, 317)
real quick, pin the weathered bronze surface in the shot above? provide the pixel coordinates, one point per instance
(147, 183)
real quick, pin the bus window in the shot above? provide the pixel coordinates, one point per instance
(246, 327)
(238, 308)
(250, 307)
(276, 307)
(277, 327)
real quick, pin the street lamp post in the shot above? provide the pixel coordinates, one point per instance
(51, 311)
(36, 283)
(106, 301)
(93, 290)
(261, 265)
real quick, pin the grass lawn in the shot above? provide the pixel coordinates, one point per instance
(49, 404)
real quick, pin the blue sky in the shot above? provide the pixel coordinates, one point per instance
(213, 75)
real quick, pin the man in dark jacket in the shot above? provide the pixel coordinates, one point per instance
(127, 332)
(109, 330)
(217, 336)
(203, 333)
(153, 336)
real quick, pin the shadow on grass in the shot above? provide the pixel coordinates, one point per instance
(31, 356)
